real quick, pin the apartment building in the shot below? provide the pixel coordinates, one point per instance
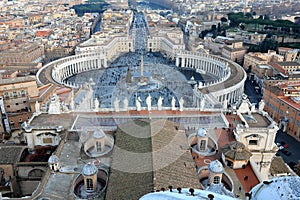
(283, 105)
(234, 50)
(15, 106)
(22, 53)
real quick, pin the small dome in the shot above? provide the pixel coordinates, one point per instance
(202, 132)
(216, 167)
(89, 169)
(98, 134)
(53, 159)
(236, 151)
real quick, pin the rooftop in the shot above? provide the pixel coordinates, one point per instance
(256, 120)
(172, 160)
(45, 120)
(185, 195)
(13, 156)
(285, 187)
(17, 80)
(278, 166)
(131, 173)
(236, 151)
(251, 181)
(289, 101)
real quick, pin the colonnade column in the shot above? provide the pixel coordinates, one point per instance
(183, 62)
(177, 61)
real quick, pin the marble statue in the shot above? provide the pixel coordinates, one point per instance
(252, 107)
(159, 103)
(116, 105)
(96, 104)
(261, 105)
(138, 104)
(37, 107)
(64, 107)
(225, 104)
(125, 103)
(173, 102)
(148, 102)
(54, 106)
(72, 103)
(202, 104)
(200, 84)
(195, 87)
(181, 102)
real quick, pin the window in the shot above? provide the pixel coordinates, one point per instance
(98, 144)
(202, 145)
(15, 94)
(23, 93)
(89, 184)
(280, 112)
(6, 95)
(12, 124)
(252, 142)
(291, 119)
(216, 179)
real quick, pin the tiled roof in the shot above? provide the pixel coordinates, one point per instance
(278, 166)
(10, 154)
(236, 151)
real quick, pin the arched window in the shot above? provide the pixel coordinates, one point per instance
(203, 145)
(98, 144)
(89, 184)
(216, 179)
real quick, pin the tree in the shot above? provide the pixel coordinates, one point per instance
(242, 26)
(224, 20)
(219, 28)
(266, 17)
(249, 16)
(170, 187)
(297, 20)
(268, 44)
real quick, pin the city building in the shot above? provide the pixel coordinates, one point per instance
(16, 95)
(234, 51)
(282, 104)
(24, 53)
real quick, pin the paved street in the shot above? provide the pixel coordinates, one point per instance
(254, 95)
(293, 147)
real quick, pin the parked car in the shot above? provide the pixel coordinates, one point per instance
(280, 148)
(287, 153)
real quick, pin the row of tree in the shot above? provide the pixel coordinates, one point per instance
(237, 18)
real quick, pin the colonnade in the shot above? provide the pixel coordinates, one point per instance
(69, 66)
(226, 88)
